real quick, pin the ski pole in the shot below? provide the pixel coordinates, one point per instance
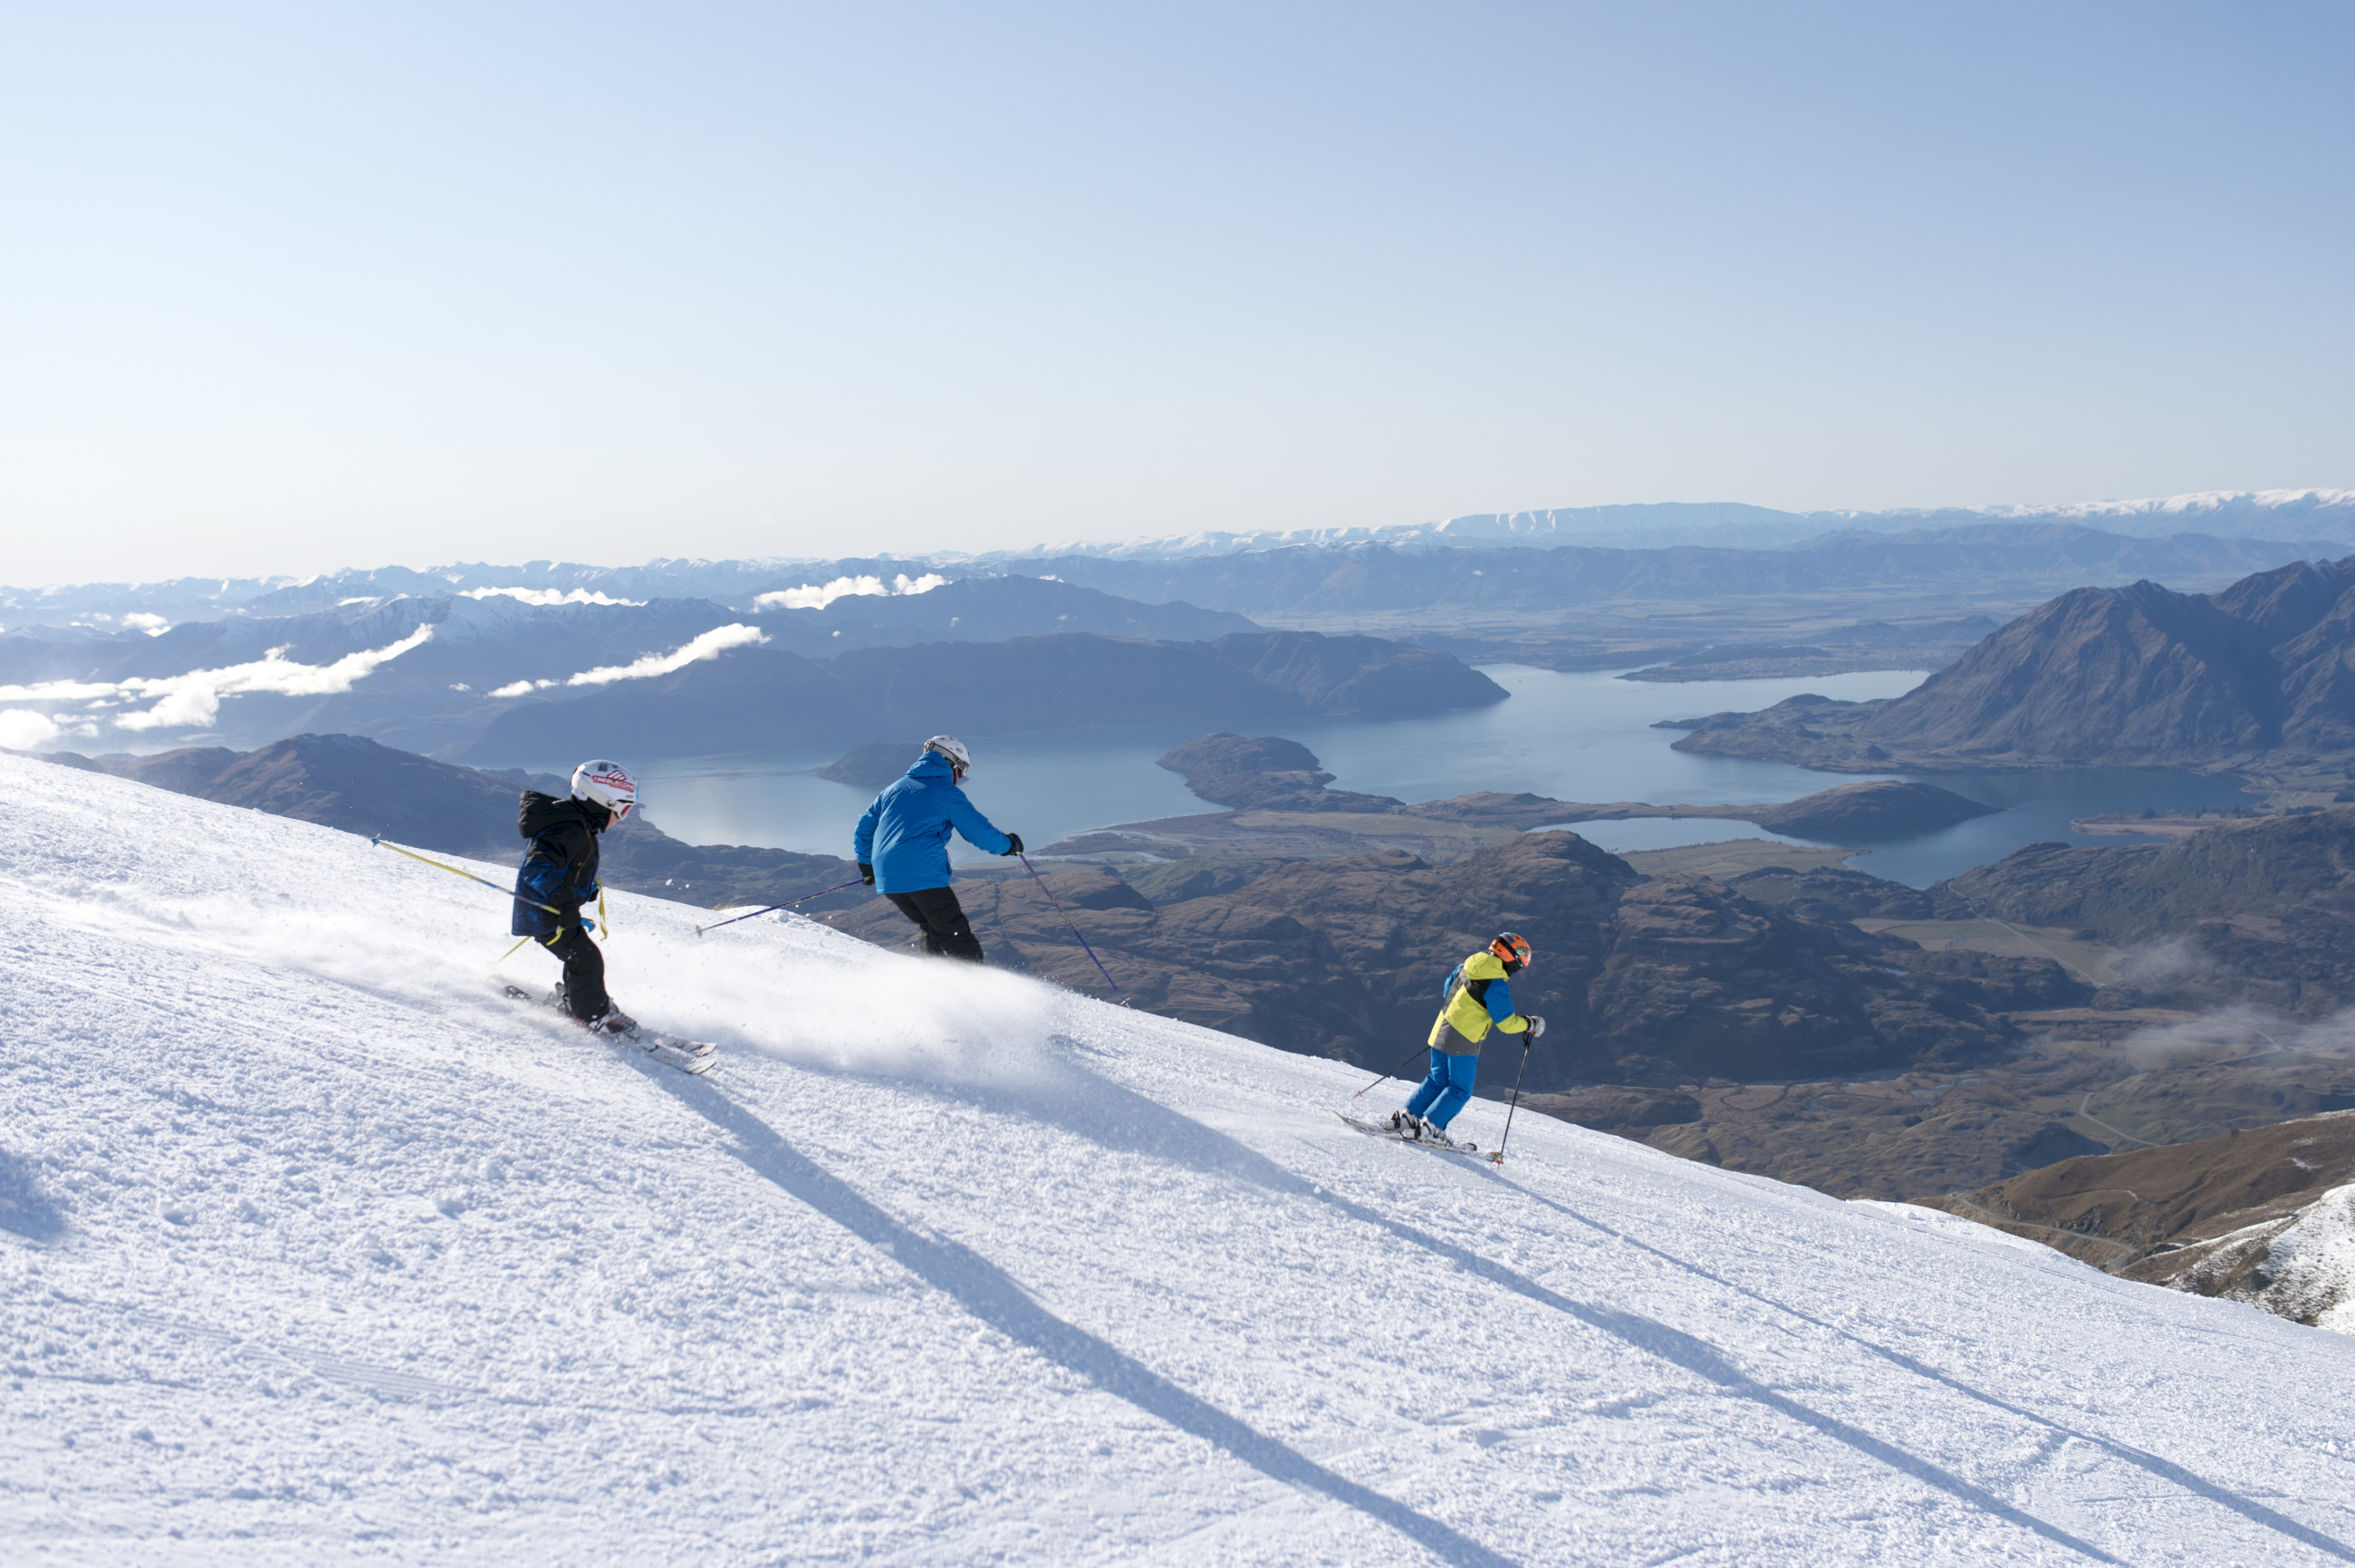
(1393, 1073)
(1074, 926)
(1498, 1157)
(772, 908)
(379, 841)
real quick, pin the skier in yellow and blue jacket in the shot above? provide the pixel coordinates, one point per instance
(1479, 996)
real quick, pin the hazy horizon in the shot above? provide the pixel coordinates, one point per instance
(919, 556)
(289, 290)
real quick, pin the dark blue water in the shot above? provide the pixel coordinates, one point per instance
(1584, 736)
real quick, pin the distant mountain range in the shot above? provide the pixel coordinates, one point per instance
(1327, 579)
(763, 699)
(1516, 559)
(504, 680)
(2261, 673)
(2271, 514)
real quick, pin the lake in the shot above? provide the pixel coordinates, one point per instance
(1582, 735)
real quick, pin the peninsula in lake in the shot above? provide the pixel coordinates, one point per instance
(2259, 678)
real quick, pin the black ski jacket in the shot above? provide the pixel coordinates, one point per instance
(561, 868)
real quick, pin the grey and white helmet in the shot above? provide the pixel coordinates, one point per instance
(951, 748)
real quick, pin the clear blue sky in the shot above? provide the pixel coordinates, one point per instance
(297, 286)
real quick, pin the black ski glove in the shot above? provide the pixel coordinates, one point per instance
(1014, 844)
(867, 874)
(1537, 1028)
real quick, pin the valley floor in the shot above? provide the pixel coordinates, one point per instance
(313, 1247)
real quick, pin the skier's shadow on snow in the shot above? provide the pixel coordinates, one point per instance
(2255, 1513)
(1118, 1118)
(1094, 1108)
(984, 1290)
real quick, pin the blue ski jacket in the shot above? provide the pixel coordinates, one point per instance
(905, 833)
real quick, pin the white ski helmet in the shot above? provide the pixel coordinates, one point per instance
(608, 785)
(951, 748)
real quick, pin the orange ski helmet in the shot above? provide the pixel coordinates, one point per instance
(1512, 948)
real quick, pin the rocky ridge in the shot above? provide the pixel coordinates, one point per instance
(2258, 912)
(2260, 673)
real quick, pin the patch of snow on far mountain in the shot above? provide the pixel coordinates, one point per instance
(314, 1247)
(2314, 1263)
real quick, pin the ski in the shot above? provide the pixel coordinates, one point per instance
(692, 1056)
(1382, 1130)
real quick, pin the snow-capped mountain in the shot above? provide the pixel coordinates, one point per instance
(313, 1245)
(1732, 524)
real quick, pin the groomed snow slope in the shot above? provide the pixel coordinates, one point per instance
(315, 1248)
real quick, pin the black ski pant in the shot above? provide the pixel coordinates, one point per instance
(584, 971)
(937, 913)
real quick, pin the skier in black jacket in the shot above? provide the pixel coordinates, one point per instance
(560, 870)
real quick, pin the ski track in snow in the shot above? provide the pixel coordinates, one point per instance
(314, 1246)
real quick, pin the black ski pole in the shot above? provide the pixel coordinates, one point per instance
(1074, 926)
(1498, 1157)
(789, 903)
(1393, 1073)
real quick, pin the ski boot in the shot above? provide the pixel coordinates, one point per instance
(1406, 1124)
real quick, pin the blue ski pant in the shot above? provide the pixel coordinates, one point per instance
(1446, 1088)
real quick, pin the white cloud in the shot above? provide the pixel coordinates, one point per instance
(154, 625)
(190, 708)
(21, 729)
(709, 646)
(60, 691)
(809, 596)
(545, 596)
(193, 700)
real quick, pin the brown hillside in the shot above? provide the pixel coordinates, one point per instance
(2261, 912)
(2149, 1214)
(1664, 981)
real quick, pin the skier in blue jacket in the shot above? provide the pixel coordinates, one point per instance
(902, 845)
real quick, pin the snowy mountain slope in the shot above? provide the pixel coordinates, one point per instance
(312, 1245)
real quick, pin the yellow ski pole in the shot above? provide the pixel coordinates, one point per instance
(470, 875)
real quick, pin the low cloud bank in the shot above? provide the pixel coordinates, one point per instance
(189, 701)
(709, 646)
(810, 596)
(544, 597)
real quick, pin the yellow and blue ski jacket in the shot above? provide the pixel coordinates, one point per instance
(1478, 994)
